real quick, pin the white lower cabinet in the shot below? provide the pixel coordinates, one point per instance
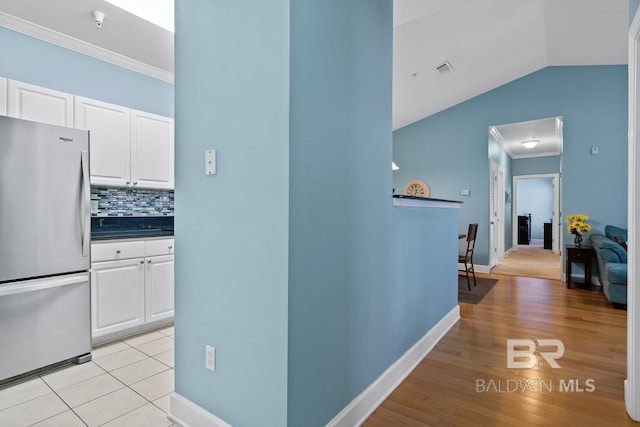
(117, 296)
(158, 288)
(131, 286)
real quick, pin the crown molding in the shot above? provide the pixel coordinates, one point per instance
(45, 34)
(495, 133)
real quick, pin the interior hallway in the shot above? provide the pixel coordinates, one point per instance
(465, 381)
(531, 261)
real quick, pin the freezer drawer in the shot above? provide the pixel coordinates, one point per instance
(44, 321)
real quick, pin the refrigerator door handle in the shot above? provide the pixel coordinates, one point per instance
(41, 284)
(86, 185)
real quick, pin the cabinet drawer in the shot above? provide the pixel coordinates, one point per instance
(116, 250)
(159, 247)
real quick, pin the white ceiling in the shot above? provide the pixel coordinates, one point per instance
(548, 133)
(488, 42)
(492, 42)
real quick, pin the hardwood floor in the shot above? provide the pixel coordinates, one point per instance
(464, 381)
(531, 261)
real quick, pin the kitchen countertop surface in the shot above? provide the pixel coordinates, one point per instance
(111, 228)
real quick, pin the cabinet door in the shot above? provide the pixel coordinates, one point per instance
(3, 96)
(39, 104)
(117, 296)
(159, 288)
(109, 138)
(151, 150)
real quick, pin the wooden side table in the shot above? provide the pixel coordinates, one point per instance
(582, 255)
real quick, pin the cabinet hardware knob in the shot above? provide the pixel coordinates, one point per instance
(142, 262)
(149, 262)
(118, 251)
(135, 182)
(128, 182)
(170, 247)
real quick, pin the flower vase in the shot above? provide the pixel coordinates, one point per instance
(577, 240)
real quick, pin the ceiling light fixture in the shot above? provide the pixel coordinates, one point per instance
(530, 143)
(394, 167)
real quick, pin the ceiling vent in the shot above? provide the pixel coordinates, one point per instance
(444, 68)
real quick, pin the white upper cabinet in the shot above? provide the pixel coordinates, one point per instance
(3, 96)
(109, 129)
(30, 102)
(152, 148)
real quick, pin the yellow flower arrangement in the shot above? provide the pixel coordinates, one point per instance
(577, 224)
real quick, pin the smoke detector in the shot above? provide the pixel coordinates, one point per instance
(444, 68)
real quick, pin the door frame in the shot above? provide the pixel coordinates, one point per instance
(556, 229)
(632, 383)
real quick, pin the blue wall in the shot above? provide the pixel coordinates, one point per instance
(232, 94)
(340, 197)
(633, 7)
(40, 63)
(535, 197)
(448, 149)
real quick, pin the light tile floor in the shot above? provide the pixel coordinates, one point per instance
(127, 383)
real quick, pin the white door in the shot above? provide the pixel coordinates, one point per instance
(159, 288)
(39, 104)
(110, 140)
(493, 206)
(151, 150)
(500, 214)
(117, 296)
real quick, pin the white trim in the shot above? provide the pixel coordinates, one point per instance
(368, 401)
(631, 389)
(426, 203)
(34, 30)
(188, 414)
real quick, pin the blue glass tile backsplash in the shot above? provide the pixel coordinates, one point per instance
(131, 202)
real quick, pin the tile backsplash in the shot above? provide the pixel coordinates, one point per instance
(131, 202)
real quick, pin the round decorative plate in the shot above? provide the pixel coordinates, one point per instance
(418, 188)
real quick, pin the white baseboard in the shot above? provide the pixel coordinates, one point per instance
(369, 400)
(478, 268)
(507, 252)
(188, 414)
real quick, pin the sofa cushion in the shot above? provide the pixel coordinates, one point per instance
(617, 273)
(611, 231)
(608, 249)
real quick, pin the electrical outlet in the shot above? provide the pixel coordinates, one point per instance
(210, 361)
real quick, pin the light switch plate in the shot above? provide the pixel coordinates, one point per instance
(595, 150)
(210, 162)
(465, 192)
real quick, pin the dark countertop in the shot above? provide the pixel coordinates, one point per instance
(400, 196)
(109, 228)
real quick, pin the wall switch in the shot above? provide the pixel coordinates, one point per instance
(210, 162)
(595, 150)
(210, 361)
(465, 192)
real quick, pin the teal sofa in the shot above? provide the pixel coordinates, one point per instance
(612, 264)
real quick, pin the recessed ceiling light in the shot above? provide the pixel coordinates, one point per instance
(530, 143)
(158, 12)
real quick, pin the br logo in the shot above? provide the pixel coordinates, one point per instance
(521, 353)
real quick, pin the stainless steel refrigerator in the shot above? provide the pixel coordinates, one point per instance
(45, 241)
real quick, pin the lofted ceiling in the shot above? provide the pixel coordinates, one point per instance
(492, 42)
(487, 42)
